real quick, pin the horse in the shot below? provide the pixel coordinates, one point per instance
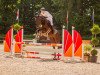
(44, 28)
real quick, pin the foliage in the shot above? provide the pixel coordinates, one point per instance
(29, 37)
(80, 12)
(95, 29)
(87, 49)
(95, 41)
(24, 45)
(17, 26)
(94, 52)
(86, 54)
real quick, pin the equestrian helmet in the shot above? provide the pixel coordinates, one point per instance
(42, 8)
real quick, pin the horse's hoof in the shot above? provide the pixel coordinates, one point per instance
(54, 58)
(58, 58)
(53, 47)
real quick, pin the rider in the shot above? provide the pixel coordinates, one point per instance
(46, 14)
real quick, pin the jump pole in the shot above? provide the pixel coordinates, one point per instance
(44, 53)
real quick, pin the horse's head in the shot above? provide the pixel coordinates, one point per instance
(40, 22)
(43, 24)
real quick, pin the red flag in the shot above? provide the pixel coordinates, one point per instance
(77, 44)
(19, 41)
(77, 40)
(8, 41)
(67, 44)
(18, 37)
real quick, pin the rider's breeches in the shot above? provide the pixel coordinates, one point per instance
(51, 20)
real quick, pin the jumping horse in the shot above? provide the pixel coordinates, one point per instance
(44, 28)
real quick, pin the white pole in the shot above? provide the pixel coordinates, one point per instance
(22, 41)
(63, 58)
(93, 16)
(11, 49)
(82, 51)
(67, 20)
(73, 48)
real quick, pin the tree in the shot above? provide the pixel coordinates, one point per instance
(80, 12)
(95, 30)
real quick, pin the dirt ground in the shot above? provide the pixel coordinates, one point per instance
(29, 66)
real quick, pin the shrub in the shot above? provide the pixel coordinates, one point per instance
(95, 41)
(17, 26)
(87, 48)
(86, 54)
(94, 52)
(95, 29)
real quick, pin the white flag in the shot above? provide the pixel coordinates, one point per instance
(17, 15)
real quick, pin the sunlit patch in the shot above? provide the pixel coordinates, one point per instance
(40, 25)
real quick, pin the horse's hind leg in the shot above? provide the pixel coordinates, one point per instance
(57, 39)
(52, 41)
(55, 56)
